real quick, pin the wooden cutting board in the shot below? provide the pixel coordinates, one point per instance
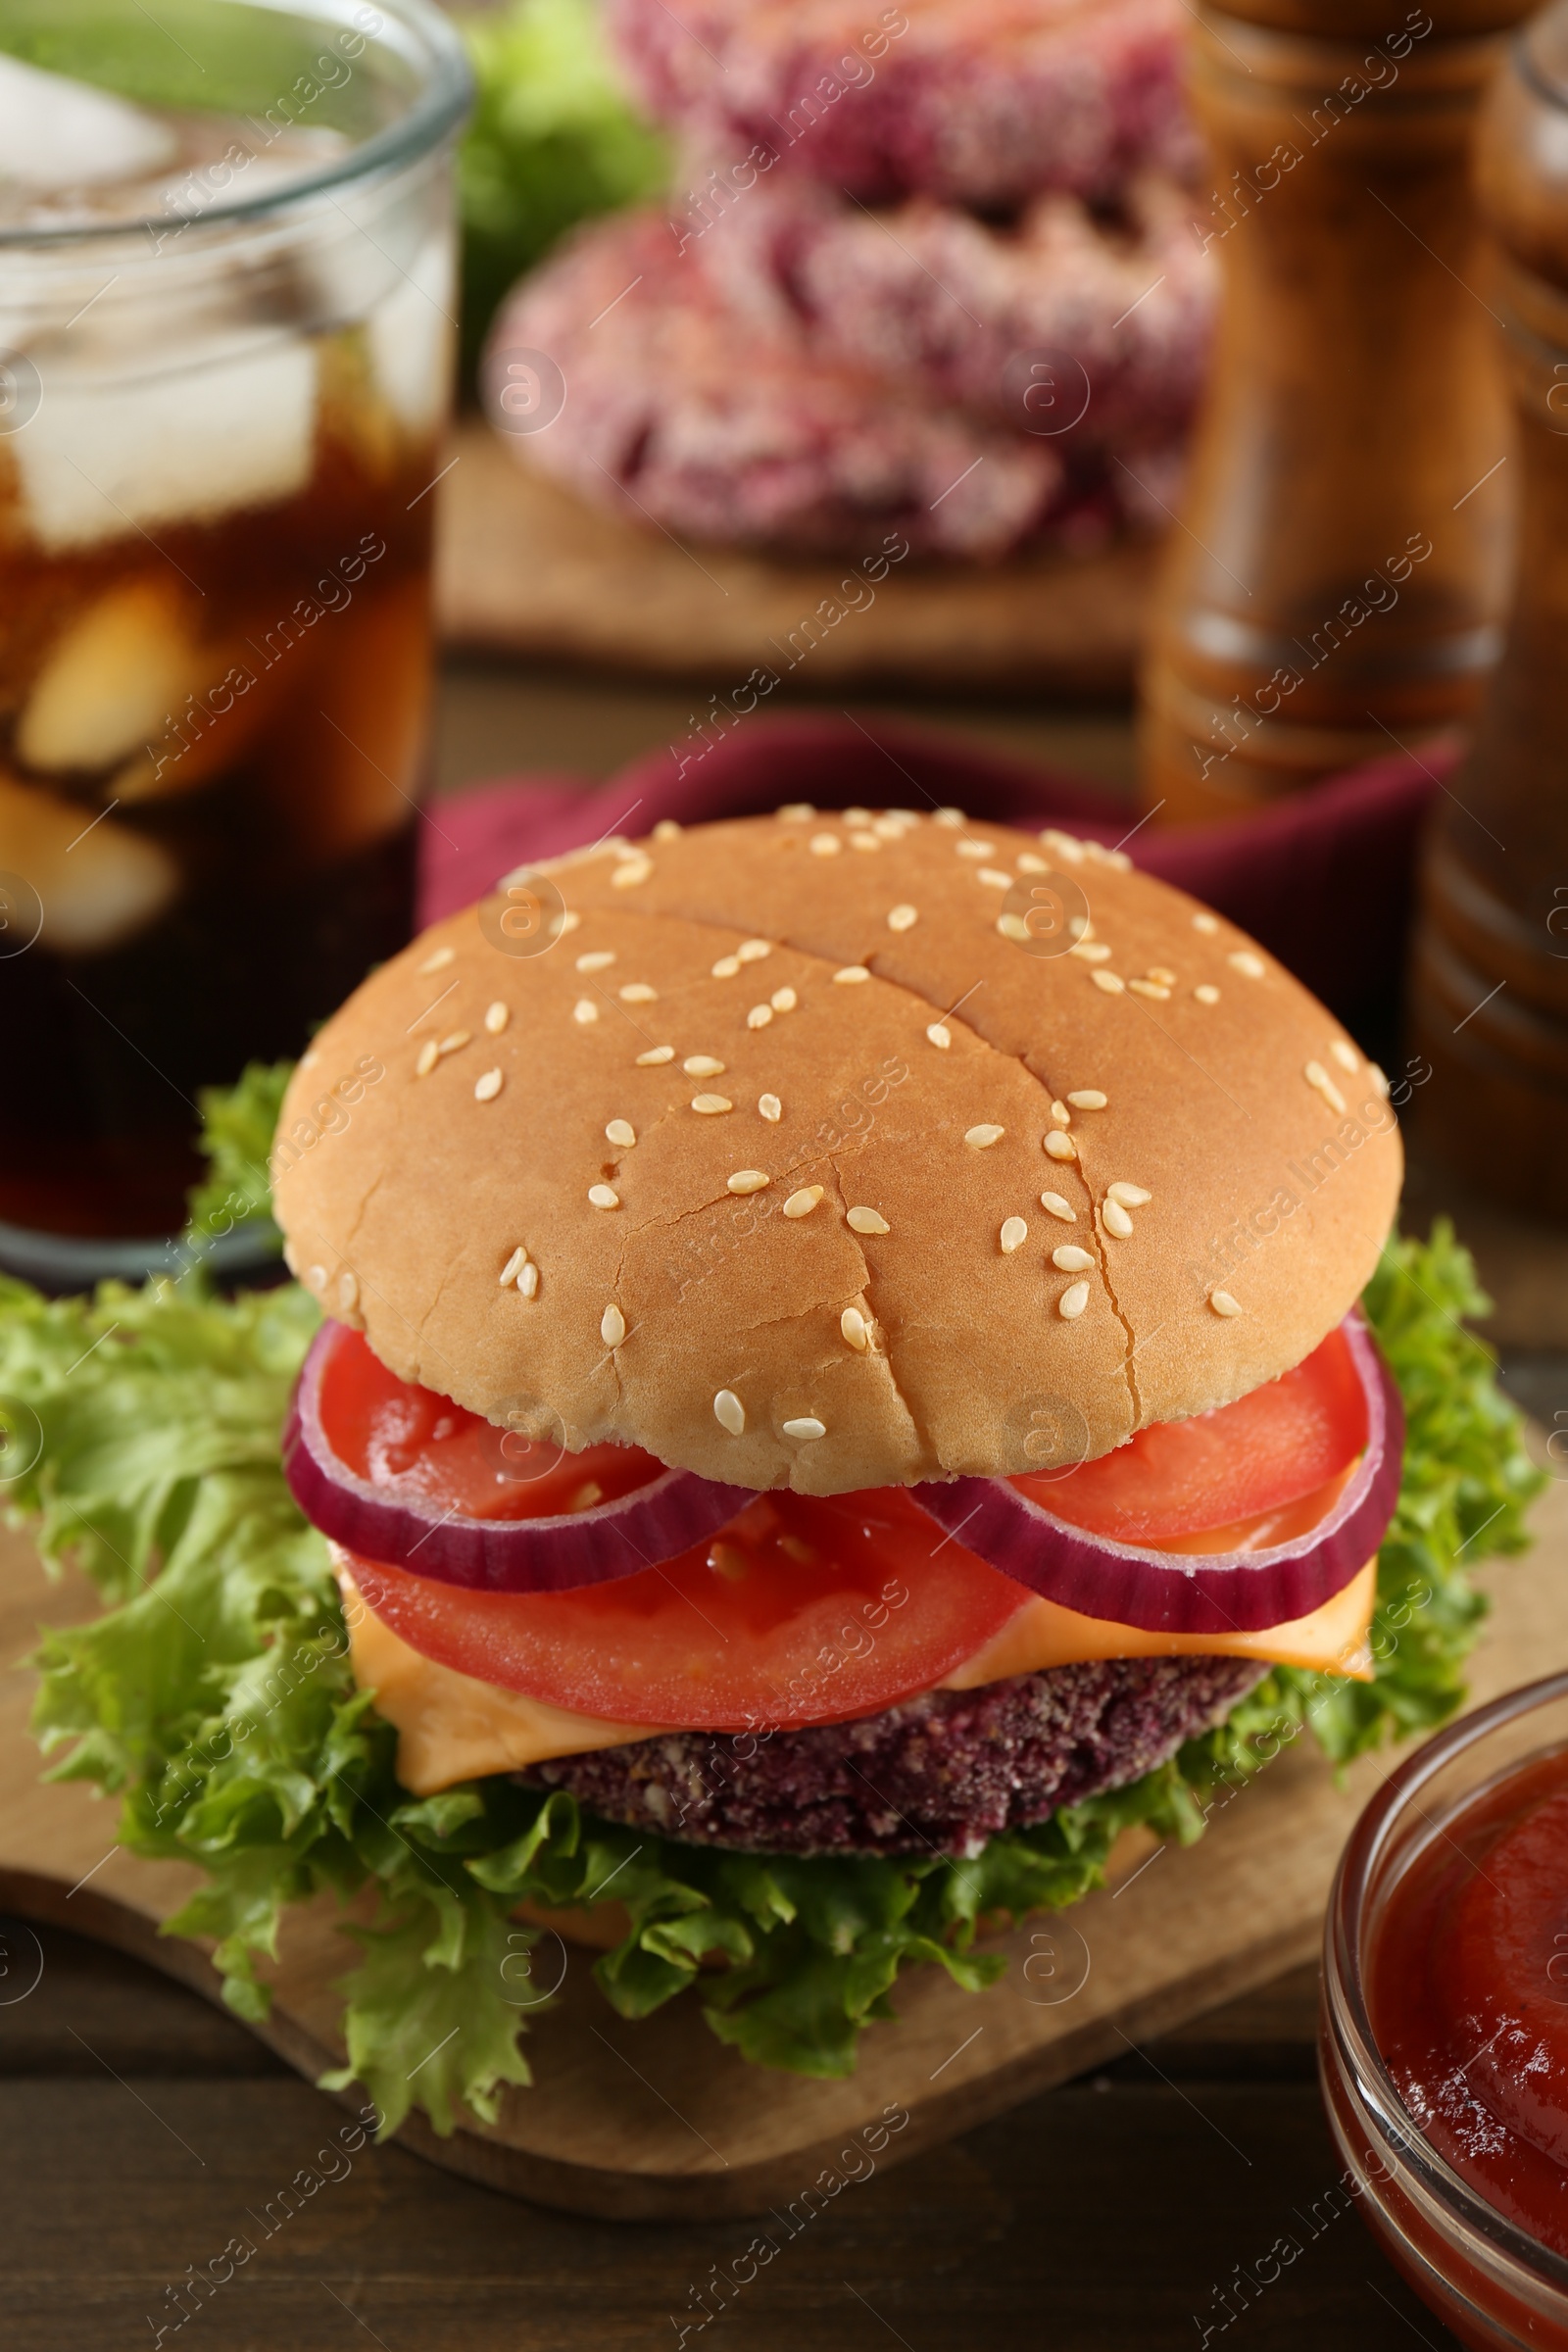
(524, 567)
(658, 2119)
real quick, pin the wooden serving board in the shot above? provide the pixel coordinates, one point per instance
(658, 2119)
(524, 567)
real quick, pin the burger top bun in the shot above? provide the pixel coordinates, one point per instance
(837, 1152)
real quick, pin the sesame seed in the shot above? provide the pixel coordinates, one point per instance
(667, 829)
(1163, 974)
(855, 1329)
(1013, 1235)
(1242, 960)
(850, 974)
(890, 828)
(806, 1427)
(855, 816)
(1087, 1098)
(456, 1042)
(1224, 1304)
(994, 878)
(597, 960)
(348, 1290)
(585, 1011)
(316, 1277)
(1028, 863)
(1317, 1075)
(1063, 845)
(1059, 1145)
(600, 1196)
(611, 1326)
(1059, 1208)
(866, 1220)
(1206, 994)
(751, 951)
(429, 1056)
(1205, 922)
(729, 1412)
(952, 819)
(1115, 1219)
(1074, 1299)
(726, 968)
(496, 1017)
(1344, 1055)
(512, 1267)
(528, 1282)
(631, 871)
(702, 1065)
(981, 1138)
(488, 1086)
(749, 1180)
(638, 992)
(1012, 926)
(1131, 1195)
(865, 840)
(711, 1104)
(784, 1000)
(975, 849)
(903, 917)
(802, 1204)
(824, 845)
(439, 961)
(1090, 950)
(653, 1056)
(1110, 982)
(940, 1035)
(1070, 1259)
(622, 1133)
(568, 919)
(770, 1107)
(795, 813)
(758, 1017)
(1379, 1082)
(1148, 988)
(1061, 1115)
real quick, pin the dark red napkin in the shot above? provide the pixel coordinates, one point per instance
(1323, 880)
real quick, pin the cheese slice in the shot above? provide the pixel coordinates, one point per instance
(452, 1727)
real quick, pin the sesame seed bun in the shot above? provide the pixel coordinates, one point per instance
(811, 1249)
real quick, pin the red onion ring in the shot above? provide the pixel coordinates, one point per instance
(609, 1539)
(1186, 1593)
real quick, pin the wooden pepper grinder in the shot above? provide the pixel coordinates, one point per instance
(1337, 582)
(1490, 977)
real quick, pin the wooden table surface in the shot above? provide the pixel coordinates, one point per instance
(140, 2130)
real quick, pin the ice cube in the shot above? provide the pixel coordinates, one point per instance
(57, 134)
(99, 883)
(110, 682)
(411, 334)
(106, 456)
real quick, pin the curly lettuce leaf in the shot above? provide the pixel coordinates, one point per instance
(238, 1123)
(216, 1696)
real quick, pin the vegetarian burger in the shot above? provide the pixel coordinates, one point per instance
(842, 1331)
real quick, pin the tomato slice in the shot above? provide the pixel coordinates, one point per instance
(1284, 1442)
(801, 1611)
(421, 1448)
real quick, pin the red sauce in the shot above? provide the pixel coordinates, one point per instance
(1468, 1995)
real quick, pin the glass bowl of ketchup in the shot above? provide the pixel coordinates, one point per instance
(1444, 2037)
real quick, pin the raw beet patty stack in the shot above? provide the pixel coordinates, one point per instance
(847, 1341)
(933, 272)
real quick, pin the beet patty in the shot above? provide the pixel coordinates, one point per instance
(943, 1771)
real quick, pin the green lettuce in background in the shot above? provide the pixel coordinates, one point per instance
(554, 139)
(215, 1697)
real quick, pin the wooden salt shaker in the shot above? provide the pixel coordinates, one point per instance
(1490, 976)
(1336, 584)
